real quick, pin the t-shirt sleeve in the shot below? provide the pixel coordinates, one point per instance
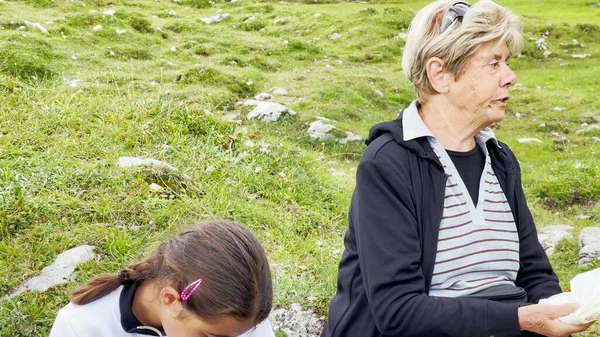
(62, 327)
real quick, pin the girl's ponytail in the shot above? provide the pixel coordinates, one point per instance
(104, 284)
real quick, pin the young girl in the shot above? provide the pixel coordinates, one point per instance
(211, 281)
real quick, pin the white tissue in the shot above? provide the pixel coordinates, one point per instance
(585, 291)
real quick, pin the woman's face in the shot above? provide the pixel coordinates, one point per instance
(481, 92)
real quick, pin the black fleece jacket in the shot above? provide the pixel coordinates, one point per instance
(391, 243)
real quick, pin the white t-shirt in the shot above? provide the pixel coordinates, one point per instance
(102, 318)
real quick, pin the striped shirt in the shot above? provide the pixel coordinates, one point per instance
(478, 246)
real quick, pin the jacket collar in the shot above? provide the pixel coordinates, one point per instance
(129, 322)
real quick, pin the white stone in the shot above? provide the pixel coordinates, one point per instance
(547, 53)
(580, 56)
(97, 28)
(172, 13)
(318, 130)
(279, 91)
(528, 140)
(120, 31)
(279, 20)
(267, 111)
(541, 44)
(295, 322)
(173, 49)
(350, 137)
(379, 93)
(129, 162)
(336, 173)
(73, 83)
(59, 272)
(263, 96)
(38, 26)
(593, 127)
(21, 28)
(589, 245)
(109, 12)
(155, 188)
(317, 15)
(550, 236)
(74, 58)
(216, 18)
(559, 109)
(335, 36)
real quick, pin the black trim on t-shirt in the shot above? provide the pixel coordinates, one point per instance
(470, 166)
(129, 322)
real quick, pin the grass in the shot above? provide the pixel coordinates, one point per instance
(76, 99)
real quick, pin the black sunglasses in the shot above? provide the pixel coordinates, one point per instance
(455, 12)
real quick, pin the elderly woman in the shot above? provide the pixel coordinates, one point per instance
(441, 241)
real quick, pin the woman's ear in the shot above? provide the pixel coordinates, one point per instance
(437, 75)
(169, 297)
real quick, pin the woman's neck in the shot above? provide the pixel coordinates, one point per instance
(452, 128)
(144, 305)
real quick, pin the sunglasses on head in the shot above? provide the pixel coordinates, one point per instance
(456, 12)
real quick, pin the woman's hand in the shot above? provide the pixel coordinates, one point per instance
(543, 319)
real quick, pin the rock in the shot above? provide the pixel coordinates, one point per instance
(263, 96)
(589, 245)
(336, 173)
(541, 44)
(109, 12)
(596, 139)
(279, 91)
(21, 28)
(550, 236)
(593, 127)
(58, 272)
(172, 13)
(154, 187)
(350, 137)
(559, 109)
(317, 15)
(231, 117)
(561, 140)
(120, 31)
(335, 36)
(97, 28)
(129, 162)
(267, 111)
(318, 130)
(279, 21)
(296, 322)
(547, 53)
(216, 18)
(379, 93)
(173, 49)
(73, 83)
(528, 140)
(38, 26)
(580, 56)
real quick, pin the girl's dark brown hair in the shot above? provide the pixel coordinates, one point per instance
(235, 273)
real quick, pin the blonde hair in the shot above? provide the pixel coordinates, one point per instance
(485, 21)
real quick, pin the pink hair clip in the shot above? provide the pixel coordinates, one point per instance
(187, 292)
